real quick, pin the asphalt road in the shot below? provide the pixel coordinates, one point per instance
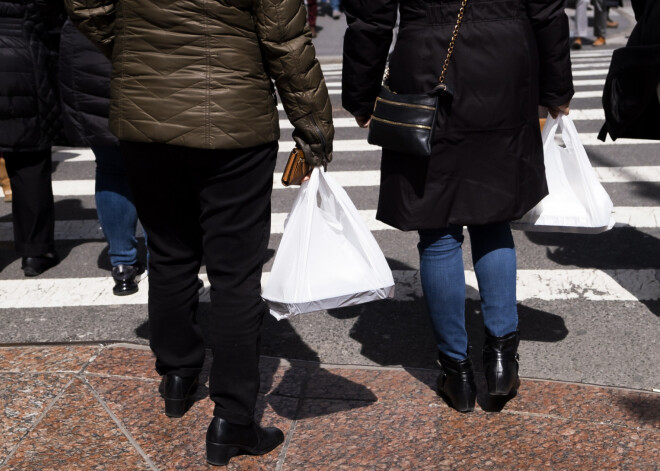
(589, 304)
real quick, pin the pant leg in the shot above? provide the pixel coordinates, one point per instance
(312, 9)
(335, 5)
(234, 191)
(114, 204)
(581, 20)
(443, 282)
(600, 18)
(174, 240)
(33, 206)
(494, 259)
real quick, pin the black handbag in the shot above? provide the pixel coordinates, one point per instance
(405, 122)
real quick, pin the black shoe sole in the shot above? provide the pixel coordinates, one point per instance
(218, 454)
(125, 292)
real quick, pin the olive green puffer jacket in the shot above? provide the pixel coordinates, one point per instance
(197, 73)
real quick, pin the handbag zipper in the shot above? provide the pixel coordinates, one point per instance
(396, 123)
(389, 102)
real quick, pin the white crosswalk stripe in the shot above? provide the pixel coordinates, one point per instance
(364, 178)
(549, 285)
(642, 217)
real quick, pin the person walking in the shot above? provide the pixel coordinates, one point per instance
(600, 22)
(194, 107)
(30, 123)
(581, 23)
(85, 90)
(486, 166)
(312, 13)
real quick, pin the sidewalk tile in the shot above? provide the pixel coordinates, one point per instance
(46, 359)
(23, 398)
(410, 435)
(180, 443)
(76, 434)
(591, 403)
(125, 361)
(372, 385)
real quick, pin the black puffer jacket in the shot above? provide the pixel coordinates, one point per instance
(85, 90)
(29, 102)
(487, 156)
(630, 96)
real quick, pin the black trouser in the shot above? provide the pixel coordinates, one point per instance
(33, 208)
(216, 203)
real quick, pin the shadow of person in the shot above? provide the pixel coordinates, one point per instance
(624, 253)
(644, 407)
(280, 380)
(398, 332)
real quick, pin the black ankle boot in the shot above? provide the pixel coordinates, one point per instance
(456, 383)
(501, 363)
(178, 393)
(225, 440)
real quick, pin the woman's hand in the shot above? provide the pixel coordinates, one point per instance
(363, 121)
(555, 110)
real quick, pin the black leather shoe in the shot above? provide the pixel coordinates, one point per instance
(178, 393)
(126, 279)
(225, 440)
(501, 363)
(456, 383)
(34, 266)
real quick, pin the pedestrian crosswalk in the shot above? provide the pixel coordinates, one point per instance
(355, 167)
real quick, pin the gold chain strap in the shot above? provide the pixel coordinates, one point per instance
(454, 35)
(450, 50)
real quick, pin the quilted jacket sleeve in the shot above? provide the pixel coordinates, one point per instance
(96, 20)
(550, 25)
(291, 61)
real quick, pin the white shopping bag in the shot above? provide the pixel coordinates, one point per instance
(327, 258)
(576, 201)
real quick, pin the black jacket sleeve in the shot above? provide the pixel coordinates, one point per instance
(551, 29)
(366, 43)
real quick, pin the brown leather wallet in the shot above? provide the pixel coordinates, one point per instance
(296, 168)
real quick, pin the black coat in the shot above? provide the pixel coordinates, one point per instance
(487, 162)
(85, 90)
(630, 97)
(29, 102)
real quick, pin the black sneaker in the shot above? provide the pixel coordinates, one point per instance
(126, 279)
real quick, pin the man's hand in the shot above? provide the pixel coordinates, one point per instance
(555, 110)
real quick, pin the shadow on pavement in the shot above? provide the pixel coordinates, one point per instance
(622, 248)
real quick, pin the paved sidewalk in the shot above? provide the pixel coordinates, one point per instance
(88, 407)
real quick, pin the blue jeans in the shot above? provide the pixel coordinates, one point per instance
(443, 282)
(114, 204)
(335, 4)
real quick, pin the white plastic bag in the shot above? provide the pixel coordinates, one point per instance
(327, 258)
(576, 201)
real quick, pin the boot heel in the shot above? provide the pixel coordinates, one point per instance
(175, 407)
(219, 455)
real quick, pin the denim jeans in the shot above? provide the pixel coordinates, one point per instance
(114, 204)
(335, 4)
(443, 282)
